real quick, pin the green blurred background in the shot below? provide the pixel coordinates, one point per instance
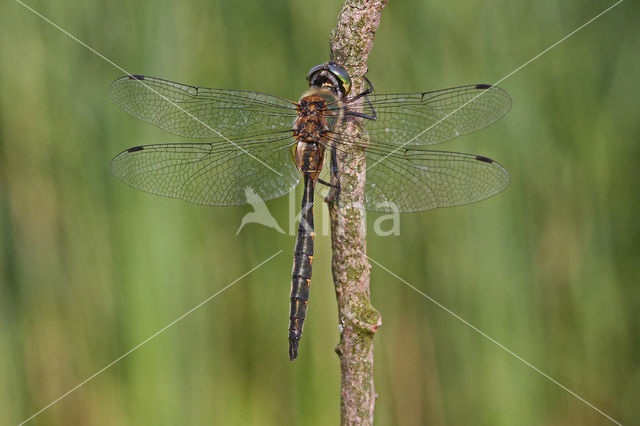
(90, 267)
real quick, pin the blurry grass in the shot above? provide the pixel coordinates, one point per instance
(90, 267)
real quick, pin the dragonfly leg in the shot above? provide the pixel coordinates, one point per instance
(364, 93)
(334, 193)
(325, 183)
(373, 116)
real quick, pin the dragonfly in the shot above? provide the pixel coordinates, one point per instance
(265, 143)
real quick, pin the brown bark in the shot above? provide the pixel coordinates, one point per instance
(351, 42)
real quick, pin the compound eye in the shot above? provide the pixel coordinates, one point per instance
(315, 69)
(341, 74)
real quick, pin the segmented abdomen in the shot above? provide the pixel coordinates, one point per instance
(301, 274)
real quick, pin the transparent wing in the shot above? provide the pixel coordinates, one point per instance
(400, 175)
(215, 174)
(200, 112)
(418, 180)
(433, 117)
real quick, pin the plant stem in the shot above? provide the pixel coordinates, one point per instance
(351, 42)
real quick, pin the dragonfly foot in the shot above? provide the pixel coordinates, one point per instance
(333, 196)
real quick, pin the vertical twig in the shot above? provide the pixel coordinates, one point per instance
(351, 42)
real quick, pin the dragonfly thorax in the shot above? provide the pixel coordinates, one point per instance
(311, 122)
(316, 118)
(319, 111)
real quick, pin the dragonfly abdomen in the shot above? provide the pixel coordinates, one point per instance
(301, 274)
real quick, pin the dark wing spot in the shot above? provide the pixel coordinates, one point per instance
(484, 159)
(136, 77)
(483, 86)
(135, 149)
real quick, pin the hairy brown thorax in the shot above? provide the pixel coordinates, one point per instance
(309, 130)
(311, 122)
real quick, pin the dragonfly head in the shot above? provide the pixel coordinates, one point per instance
(331, 76)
